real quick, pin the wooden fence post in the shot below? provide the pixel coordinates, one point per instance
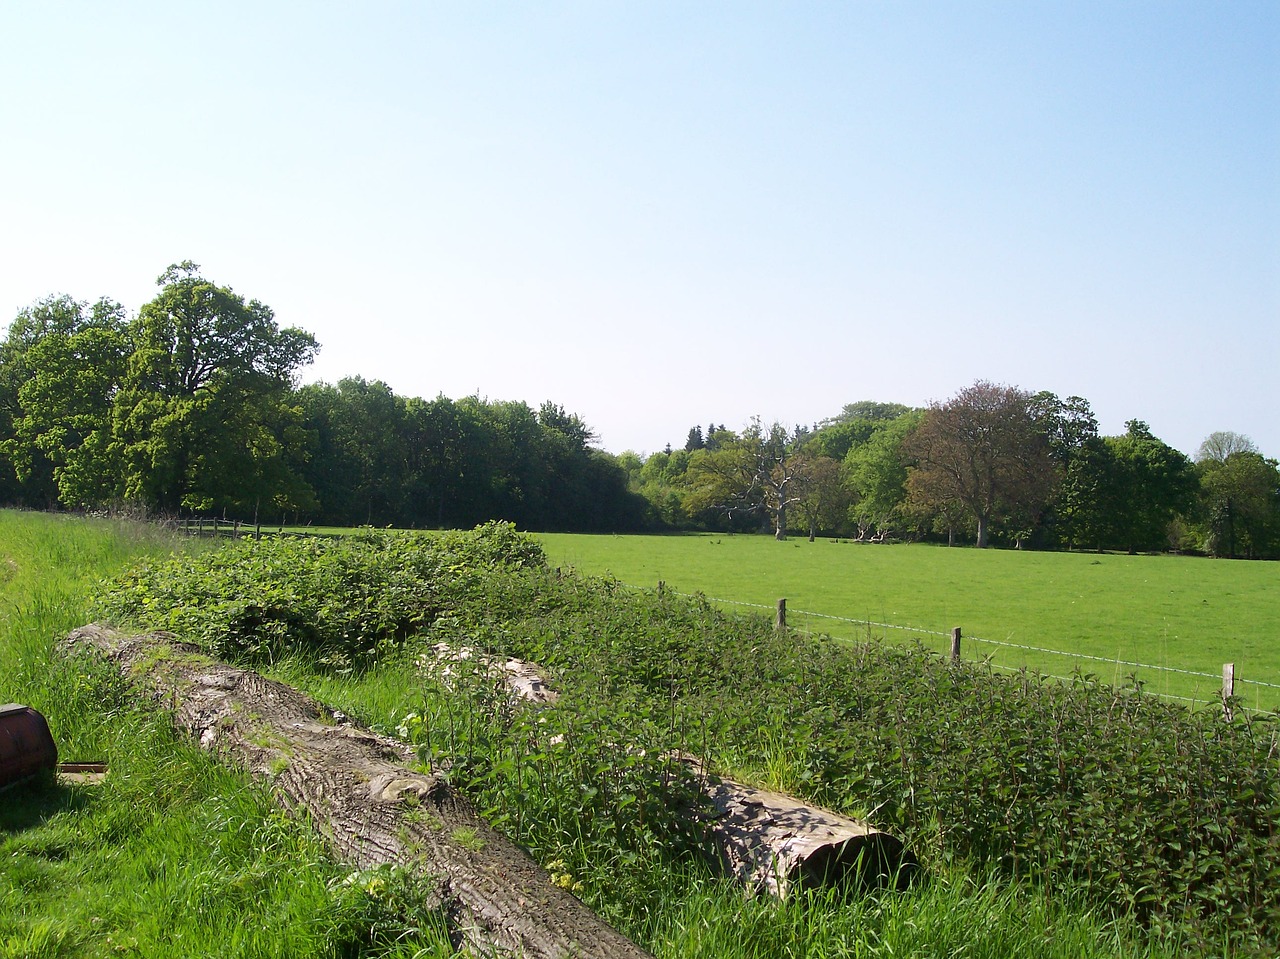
(955, 644)
(1228, 687)
(780, 623)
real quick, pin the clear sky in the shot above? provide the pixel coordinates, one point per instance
(664, 214)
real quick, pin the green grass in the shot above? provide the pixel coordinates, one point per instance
(174, 854)
(1186, 613)
(683, 912)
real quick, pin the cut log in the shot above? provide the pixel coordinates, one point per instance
(523, 680)
(360, 795)
(773, 843)
(769, 842)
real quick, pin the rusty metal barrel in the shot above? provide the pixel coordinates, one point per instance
(26, 745)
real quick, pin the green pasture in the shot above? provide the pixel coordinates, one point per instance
(1178, 612)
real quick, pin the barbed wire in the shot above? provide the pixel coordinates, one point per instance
(992, 642)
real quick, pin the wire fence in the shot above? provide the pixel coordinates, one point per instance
(1207, 688)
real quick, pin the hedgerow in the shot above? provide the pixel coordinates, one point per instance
(1149, 809)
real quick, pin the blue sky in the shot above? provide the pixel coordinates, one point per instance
(666, 214)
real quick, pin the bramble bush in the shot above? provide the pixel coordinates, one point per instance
(1147, 808)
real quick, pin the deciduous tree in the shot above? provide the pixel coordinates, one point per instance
(877, 471)
(63, 363)
(201, 353)
(824, 496)
(1240, 505)
(983, 450)
(1150, 484)
(757, 473)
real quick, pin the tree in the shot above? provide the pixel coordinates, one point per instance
(1219, 446)
(1083, 463)
(1240, 504)
(757, 473)
(1151, 484)
(872, 410)
(877, 472)
(64, 361)
(200, 416)
(824, 496)
(983, 451)
(360, 453)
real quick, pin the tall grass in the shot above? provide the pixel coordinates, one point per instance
(173, 855)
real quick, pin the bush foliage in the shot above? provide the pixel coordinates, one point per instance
(1143, 807)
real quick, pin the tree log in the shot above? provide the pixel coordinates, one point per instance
(524, 681)
(359, 794)
(774, 843)
(769, 842)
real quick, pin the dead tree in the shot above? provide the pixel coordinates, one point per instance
(360, 794)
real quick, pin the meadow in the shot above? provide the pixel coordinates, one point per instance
(174, 854)
(1053, 820)
(1179, 612)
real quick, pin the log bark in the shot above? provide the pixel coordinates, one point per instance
(360, 794)
(773, 843)
(523, 680)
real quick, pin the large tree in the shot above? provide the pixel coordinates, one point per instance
(1219, 445)
(202, 415)
(60, 365)
(760, 472)
(1150, 484)
(877, 471)
(1240, 505)
(1076, 514)
(984, 451)
(74, 371)
(825, 494)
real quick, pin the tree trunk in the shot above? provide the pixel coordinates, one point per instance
(370, 808)
(780, 532)
(982, 532)
(773, 843)
(767, 841)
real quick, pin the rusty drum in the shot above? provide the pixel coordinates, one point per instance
(26, 745)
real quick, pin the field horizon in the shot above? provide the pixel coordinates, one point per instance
(1182, 617)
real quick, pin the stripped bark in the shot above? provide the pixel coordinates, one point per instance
(523, 680)
(359, 794)
(774, 843)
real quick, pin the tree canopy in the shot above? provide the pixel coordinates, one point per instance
(193, 405)
(983, 452)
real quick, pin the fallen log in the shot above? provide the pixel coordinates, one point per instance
(359, 794)
(773, 843)
(769, 842)
(523, 680)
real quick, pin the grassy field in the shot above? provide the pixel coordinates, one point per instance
(1184, 613)
(173, 855)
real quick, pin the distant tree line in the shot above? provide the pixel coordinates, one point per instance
(993, 464)
(192, 406)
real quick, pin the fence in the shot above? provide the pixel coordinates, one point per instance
(229, 529)
(1224, 688)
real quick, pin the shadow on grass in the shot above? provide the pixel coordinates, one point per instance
(35, 801)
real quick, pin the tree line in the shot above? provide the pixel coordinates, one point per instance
(192, 406)
(993, 464)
